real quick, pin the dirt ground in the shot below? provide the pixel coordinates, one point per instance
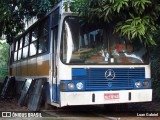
(10, 105)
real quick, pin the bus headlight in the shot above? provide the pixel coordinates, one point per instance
(145, 83)
(138, 84)
(79, 85)
(71, 86)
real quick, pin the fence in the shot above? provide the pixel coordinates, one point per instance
(3, 73)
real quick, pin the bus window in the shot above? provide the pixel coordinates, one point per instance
(44, 36)
(33, 44)
(25, 47)
(25, 52)
(21, 43)
(15, 51)
(43, 44)
(16, 48)
(94, 43)
(26, 41)
(34, 35)
(15, 56)
(33, 48)
(19, 54)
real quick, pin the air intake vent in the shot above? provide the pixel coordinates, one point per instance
(120, 78)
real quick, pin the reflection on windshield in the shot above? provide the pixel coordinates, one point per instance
(70, 46)
(98, 45)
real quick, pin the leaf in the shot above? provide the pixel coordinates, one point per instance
(119, 4)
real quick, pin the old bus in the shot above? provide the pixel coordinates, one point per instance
(85, 63)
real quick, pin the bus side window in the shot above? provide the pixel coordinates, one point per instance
(34, 35)
(25, 46)
(25, 52)
(33, 48)
(19, 54)
(19, 51)
(43, 44)
(44, 36)
(26, 39)
(33, 43)
(15, 51)
(15, 56)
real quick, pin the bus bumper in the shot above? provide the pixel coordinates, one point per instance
(105, 97)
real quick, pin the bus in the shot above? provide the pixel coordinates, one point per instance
(84, 62)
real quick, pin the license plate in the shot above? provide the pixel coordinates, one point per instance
(111, 96)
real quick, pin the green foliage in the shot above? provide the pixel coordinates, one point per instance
(136, 27)
(133, 19)
(119, 4)
(14, 12)
(155, 66)
(156, 79)
(3, 73)
(140, 5)
(4, 47)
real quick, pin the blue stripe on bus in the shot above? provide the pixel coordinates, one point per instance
(79, 72)
(54, 96)
(56, 93)
(48, 93)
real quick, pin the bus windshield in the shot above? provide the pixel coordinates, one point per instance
(95, 43)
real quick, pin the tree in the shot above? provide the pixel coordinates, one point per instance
(4, 47)
(133, 19)
(14, 12)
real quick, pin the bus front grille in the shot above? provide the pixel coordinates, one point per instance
(111, 78)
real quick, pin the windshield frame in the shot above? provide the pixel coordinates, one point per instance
(61, 52)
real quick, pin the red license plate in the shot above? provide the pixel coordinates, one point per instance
(111, 96)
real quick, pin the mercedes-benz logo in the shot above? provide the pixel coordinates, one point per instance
(110, 74)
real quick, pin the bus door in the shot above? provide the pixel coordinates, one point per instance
(54, 82)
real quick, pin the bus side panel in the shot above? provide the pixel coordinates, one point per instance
(24, 68)
(43, 66)
(32, 67)
(14, 69)
(19, 69)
